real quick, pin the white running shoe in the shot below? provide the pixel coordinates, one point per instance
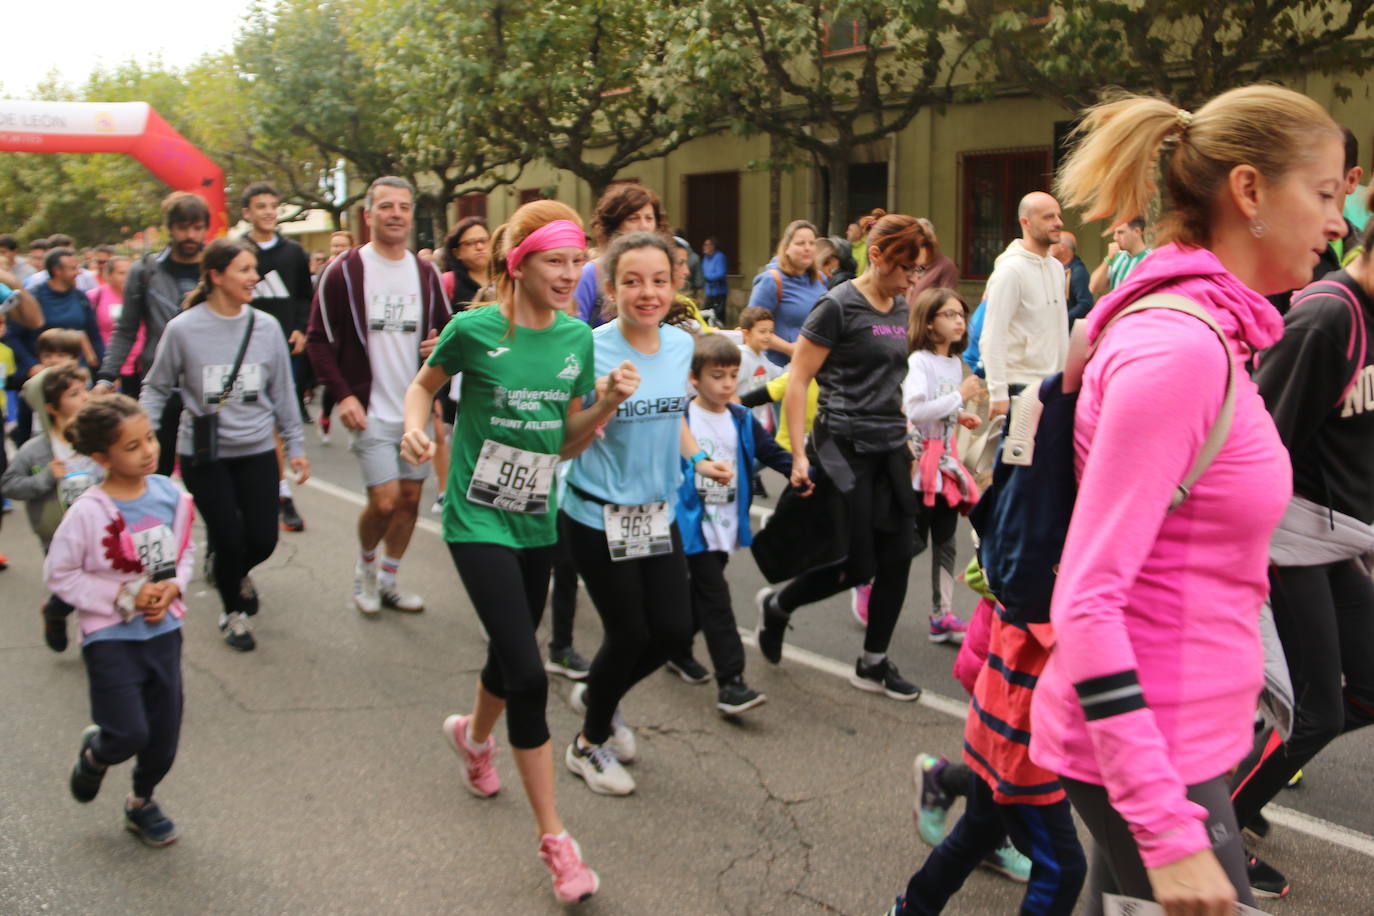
(365, 594)
(622, 740)
(409, 602)
(599, 769)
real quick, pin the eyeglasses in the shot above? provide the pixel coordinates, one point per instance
(951, 314)
(467, 243)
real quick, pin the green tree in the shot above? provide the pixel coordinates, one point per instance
(1186, 50)
(821, 77)
(580, 84)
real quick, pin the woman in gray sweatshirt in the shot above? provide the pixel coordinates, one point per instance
(235, 483)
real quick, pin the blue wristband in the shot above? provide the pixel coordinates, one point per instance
(696, 459)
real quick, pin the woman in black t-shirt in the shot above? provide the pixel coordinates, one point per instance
(854, 344)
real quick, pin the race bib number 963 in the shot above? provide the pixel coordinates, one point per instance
(633, 532)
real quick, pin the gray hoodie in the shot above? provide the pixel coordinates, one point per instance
(195, 355)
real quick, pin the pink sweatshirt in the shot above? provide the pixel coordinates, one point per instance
(1153, 682)
(106, 301)
(92, 556)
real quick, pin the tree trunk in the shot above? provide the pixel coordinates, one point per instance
(838, 169)
(774, 194)
(444, 198)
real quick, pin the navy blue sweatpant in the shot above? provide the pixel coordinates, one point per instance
(1043, 833)
(136, 701)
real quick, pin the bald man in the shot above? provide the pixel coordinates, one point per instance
(1026, 332)
(1080, 297)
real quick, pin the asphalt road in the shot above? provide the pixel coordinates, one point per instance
(312, 776)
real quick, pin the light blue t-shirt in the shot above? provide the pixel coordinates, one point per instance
(638, 460)
(150, 520)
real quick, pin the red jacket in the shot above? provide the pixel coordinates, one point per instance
(336, 338)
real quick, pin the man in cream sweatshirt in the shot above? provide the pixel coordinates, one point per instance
(1026, 332)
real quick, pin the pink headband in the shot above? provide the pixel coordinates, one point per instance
(561, 233)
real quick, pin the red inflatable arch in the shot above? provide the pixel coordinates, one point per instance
(132, 128)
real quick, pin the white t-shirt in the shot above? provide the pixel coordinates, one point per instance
(392, 293)
(930, 393)
(755, 371)
(718, 438)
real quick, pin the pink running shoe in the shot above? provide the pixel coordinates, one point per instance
(573, 881)
(481, 777)
(947, 628)
(858, 602)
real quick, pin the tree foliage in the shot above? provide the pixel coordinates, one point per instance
(1186, 50)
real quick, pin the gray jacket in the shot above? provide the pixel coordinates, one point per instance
(150, 299)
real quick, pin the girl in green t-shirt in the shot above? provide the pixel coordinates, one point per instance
(526, 367)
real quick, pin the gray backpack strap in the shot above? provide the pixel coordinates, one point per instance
(1221, 427)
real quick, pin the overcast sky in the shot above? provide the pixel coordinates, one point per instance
(93, 33)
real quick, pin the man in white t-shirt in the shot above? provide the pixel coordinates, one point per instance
(376, 314)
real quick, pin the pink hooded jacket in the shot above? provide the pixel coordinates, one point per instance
(1153, 682)
(92, 556)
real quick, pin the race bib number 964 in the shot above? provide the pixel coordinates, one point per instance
(510, 478)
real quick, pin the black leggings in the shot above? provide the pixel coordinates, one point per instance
(563, 604)
(645, 613)
(237, 500)
(167, 436)
(136, 700)
(1116, 866)
(880, 547)
(936, 526)
(507, 588)
(1325, 618)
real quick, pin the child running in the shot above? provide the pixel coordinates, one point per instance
(526, 365)
(618, 515)
(714, 518)
(122, 558)
(933, 397)
(48, 474)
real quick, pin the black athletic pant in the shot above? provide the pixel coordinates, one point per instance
(237, 500)
(563, 604)
(136, 700)
(713, 615)
(167, 436)
(881, 555)
(1116, 866)
(936, 525)
(1325, 618)
(507, 588)
(645, 613)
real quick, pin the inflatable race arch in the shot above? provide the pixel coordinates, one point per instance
(132, 128)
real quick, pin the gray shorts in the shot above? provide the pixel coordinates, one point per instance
(378, 450)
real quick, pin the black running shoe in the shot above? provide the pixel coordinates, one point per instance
(149, 824)
(568, 663)
(290, 519)
(772, 626)
(86, 779)
(884, 678)
(736, 697)
(1265, 879)
(54, 627)
(689, 669)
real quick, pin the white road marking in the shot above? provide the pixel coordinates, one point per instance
(1306, 824)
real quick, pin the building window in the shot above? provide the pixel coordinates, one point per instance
(993, 184)
(844, 36)
(532, 194)
(472, 205)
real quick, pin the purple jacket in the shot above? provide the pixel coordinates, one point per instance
(336, 338)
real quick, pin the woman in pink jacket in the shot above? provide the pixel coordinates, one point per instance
(1148, 699)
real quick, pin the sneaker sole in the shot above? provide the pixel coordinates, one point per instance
(674, 669)
(570, 760)
(452, 740)
(869, 687)
(147, 840)
(571, 674)
(728, 710)
(403, 610)
(1270, 895)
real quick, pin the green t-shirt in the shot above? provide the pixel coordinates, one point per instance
(515, 392)
(1123, 264)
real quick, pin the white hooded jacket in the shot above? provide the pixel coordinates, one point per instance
(1026, 330)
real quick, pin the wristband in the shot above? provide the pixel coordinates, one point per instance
(696, 459)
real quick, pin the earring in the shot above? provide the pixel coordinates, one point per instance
(1258, 227)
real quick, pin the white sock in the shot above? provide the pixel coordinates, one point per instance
(367, 557)
(873, 658)
(387, 577)
(283, 489)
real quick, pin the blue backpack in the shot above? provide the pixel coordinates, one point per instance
(1023, 517)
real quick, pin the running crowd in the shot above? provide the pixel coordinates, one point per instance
(589, 417)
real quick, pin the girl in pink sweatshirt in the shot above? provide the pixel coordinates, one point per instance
(122, 558)
(1147, 700)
